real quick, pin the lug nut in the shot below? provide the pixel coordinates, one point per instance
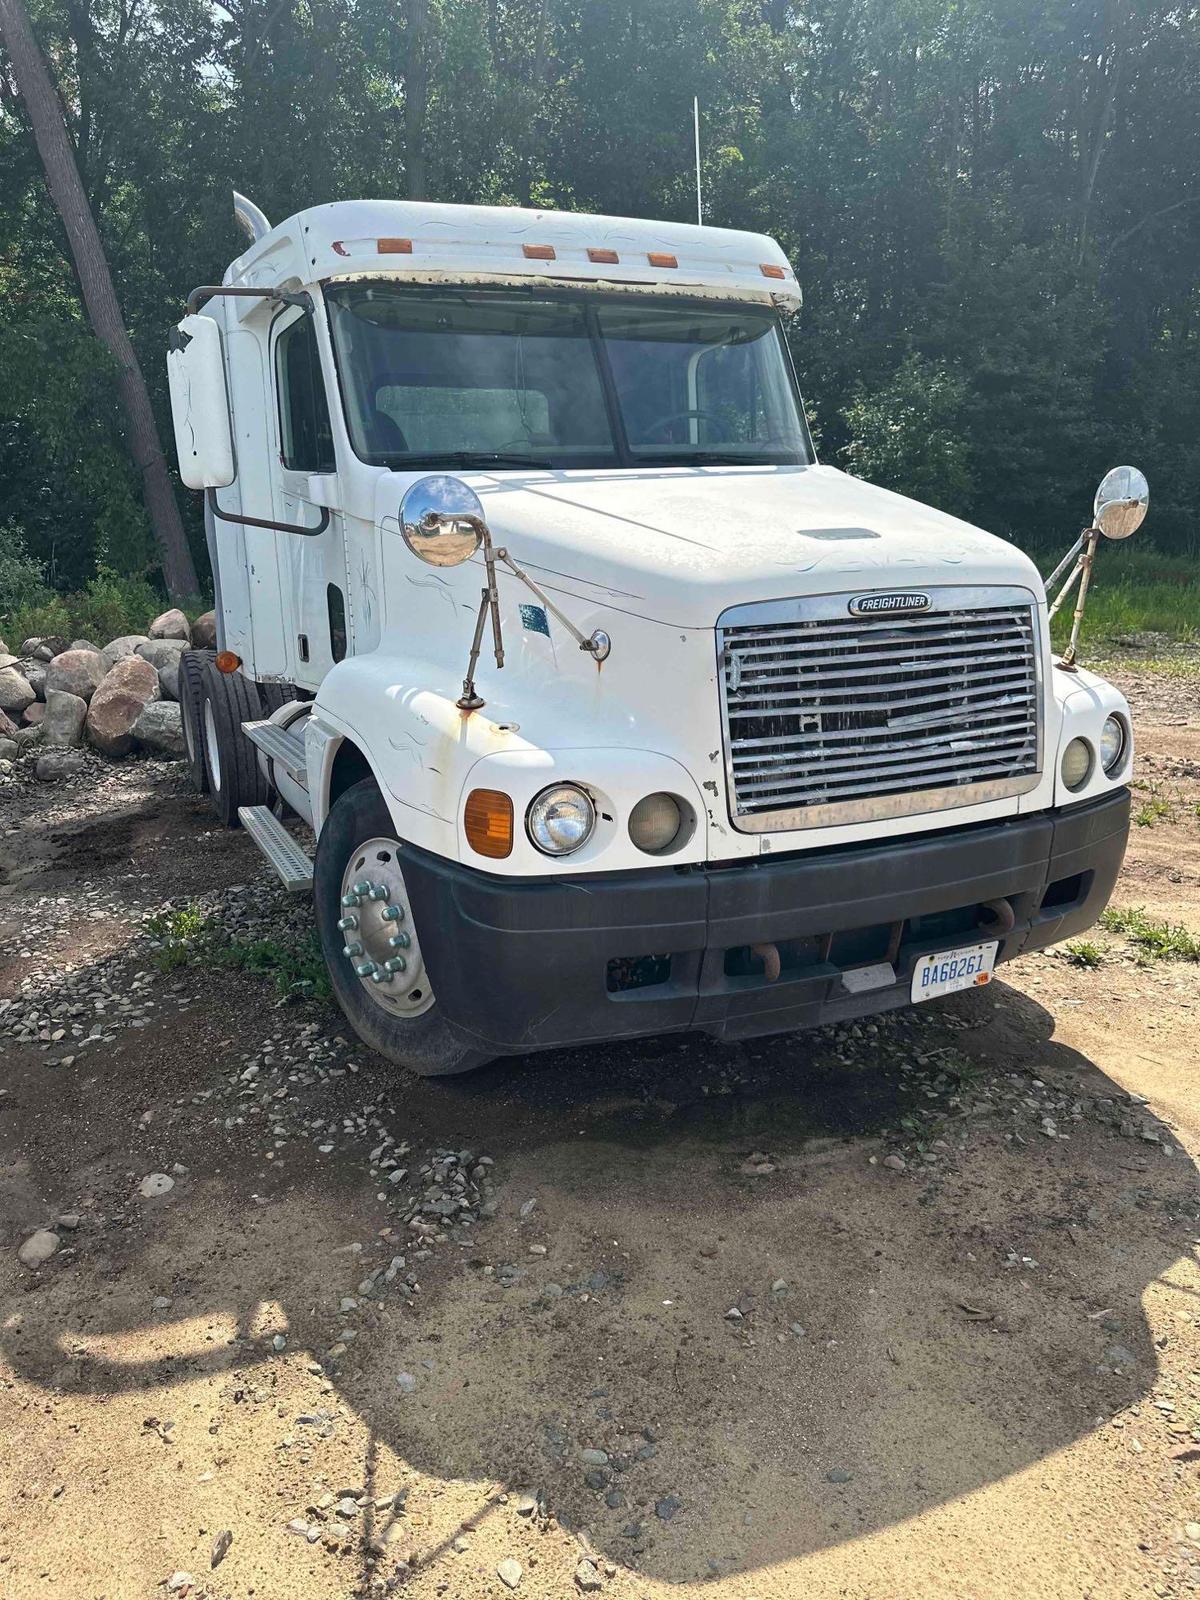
(347, 924)
(393, 914)
(382, 976)
(352, 950)
(395, 964)
(366, 969)
(399, 941)
(380, 892)
(363, 888)
(351, 899)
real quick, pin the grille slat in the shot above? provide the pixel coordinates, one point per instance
(820, 714)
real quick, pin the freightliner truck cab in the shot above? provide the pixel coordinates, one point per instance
(612, 710)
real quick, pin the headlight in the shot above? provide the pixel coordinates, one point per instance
(1112, 745)
(654, 822)
(1077, 764)
(560, 819)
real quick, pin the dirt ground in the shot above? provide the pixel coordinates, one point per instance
(909, 1308)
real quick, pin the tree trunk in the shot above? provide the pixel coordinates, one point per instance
(99, 296)
(416, 94)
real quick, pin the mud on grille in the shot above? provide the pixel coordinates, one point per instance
(834, 718)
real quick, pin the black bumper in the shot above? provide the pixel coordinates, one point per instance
(527, 963)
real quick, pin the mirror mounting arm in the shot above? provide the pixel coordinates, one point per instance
(209, 291)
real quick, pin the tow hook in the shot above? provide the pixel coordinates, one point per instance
(996, 916)
(768, 954)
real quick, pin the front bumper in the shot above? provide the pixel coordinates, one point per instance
(528, 963)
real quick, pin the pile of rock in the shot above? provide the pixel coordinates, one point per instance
(57, 695)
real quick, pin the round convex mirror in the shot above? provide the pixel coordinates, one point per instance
(1121, 502)
(441, 520)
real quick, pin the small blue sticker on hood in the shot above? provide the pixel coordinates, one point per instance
(533, 619)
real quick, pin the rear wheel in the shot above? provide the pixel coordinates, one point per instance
(370, 943)
(227, 699)
(191, 676)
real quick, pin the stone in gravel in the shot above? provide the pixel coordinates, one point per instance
(587, 1577)
(9, 749)
(155, 1184)
(666, 1508)
(204, 631)
(180, 1582)
(53, 765)
(298, 1525)
(895, 1162)
(162, 652)
(838, 1475)
(407, 1383)
(159, 727)
(79, 672)
(220, 1546)
(118, 648)
(594, 1458)
(509, 1572)
(596, 1479)
(65, 715)
(38, 1248)
(526, 1505)
(118, 702)
(68, 1220)
(16, 692)
(170, 625)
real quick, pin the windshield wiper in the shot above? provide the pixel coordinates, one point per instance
(709, 458)
(468, 458)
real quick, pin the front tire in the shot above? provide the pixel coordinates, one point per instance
(227, 699)
(394, 1011)
(191, 679)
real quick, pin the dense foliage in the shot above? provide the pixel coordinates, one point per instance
(993, 207)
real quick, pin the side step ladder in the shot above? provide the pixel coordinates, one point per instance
(282, 746)
(294, 867)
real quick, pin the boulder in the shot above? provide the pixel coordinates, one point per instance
(35, 677)
(79, 672)
(8, 661)
(9, 749)
(54, 765)
(160, 728)
(168, 682)
(117, 649)
(15, 690)
(204, 631)
(65, 715)
(33, 714)
(84, 644)
(170, 625)
(3, 648)
(26, 737)
(42, 648)
(117, 704)
(162, 652)
(8, 728)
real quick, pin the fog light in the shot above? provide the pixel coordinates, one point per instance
(1077, 764)
(560, 819)
(654, 822)
(1112, 745)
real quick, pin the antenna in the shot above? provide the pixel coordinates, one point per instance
(696, 129)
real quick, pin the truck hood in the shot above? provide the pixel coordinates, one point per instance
(679, 545)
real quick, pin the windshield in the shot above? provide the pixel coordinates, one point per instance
(461, 377)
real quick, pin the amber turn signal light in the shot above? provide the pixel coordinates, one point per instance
(661, 258)
(393, 247)
(489, 823)
(770, 270)
(538, 252)
(227, 662)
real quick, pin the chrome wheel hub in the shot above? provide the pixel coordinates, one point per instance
(379, 941)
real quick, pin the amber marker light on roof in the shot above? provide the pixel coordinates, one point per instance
(770, 270)
(661, 258)
(539, 252)
(227, 662)
(394, 247)
(488, 821)
(609, 256)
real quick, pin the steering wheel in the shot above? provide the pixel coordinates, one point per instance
(665, 421)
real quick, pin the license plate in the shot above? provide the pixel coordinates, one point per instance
(969, 967)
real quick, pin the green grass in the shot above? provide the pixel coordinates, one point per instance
(1134, 590)
(1083, 953)
(1154, 940)
(190, 936)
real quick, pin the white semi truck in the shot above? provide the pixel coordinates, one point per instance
(612, 711)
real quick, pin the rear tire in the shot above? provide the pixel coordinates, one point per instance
(227, 699)
(191, 677)
(421, 1040)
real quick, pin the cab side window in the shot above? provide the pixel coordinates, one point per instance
(304, 429)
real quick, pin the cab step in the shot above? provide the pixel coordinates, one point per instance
(294, 867)
(280, 745)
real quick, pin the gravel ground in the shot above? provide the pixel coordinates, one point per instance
(895, 1308)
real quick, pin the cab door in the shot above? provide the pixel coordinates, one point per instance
(313, 567)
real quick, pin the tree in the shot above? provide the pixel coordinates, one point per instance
(99, 296)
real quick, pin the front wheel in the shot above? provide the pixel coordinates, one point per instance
(371, 945)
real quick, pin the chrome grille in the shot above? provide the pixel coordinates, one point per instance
(833, 718)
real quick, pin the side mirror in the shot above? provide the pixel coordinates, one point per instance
(1121, 502)
(200, 404)
(442, 520)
